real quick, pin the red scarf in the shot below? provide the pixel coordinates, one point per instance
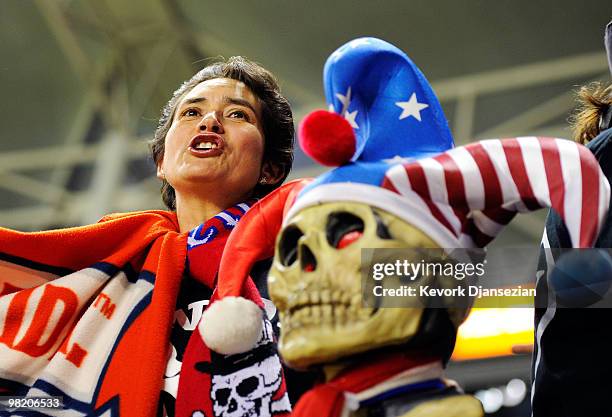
(86, 312)
(327, 400)
(205, 243)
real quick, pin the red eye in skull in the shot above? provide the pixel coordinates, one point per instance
(349, 238)
(343, 229)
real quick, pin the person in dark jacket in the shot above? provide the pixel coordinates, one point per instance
(571, 370)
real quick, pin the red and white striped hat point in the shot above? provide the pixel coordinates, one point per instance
(461, 198)
(465, 196)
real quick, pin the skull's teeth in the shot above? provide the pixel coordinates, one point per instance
(314, 298)
(327, 313)
(323, 308)
(302, 299)
(324, 297)
(346, 298)
(335, 314)
(316, 312)
(352, 314)
(340, 314)
(300, 315)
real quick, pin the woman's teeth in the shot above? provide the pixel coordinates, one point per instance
(206, 145)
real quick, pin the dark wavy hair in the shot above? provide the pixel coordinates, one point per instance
(277, 119)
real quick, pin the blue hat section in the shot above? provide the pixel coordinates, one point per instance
(371, 173)
(388, 101)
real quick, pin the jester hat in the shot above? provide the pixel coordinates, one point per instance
(461, 197)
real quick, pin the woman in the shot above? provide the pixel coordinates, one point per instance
(225, 137)
(86, 314)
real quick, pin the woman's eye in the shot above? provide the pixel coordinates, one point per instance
(238, 114)
(191, 113)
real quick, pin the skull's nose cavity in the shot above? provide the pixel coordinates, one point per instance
(307, 259)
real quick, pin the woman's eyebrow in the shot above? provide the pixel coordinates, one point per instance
(193, 100)
(226, 100)
(240, 102)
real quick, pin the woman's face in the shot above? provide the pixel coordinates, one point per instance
(216, 138)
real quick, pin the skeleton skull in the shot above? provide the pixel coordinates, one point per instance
(315, 282)
(247, 392)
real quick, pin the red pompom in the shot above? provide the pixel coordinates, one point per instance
(327, 138)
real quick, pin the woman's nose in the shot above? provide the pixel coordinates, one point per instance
(210, 123)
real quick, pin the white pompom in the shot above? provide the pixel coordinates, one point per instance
(231, 325)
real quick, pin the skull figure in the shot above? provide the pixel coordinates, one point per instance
(247, 392)
(315, 282)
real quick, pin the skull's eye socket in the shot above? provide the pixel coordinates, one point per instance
(247, 386)
(288, 246)
(382, 231)
(343, 228)
(222, 396)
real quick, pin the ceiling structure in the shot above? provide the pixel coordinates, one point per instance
(83, 81)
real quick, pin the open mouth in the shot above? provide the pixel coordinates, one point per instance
(209, 144)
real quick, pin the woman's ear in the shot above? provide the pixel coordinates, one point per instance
(270, 174)
(160, 172)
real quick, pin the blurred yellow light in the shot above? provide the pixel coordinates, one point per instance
(490, 332)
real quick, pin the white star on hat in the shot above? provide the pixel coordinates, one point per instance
(345, 99)
(350, 117)
(398, 160)
(411, 108)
